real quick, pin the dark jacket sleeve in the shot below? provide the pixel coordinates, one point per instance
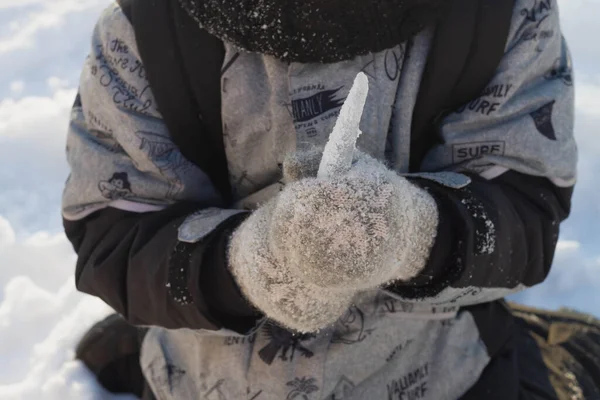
(131, 194)
(494, 238)
(515, 141)
(135, 263)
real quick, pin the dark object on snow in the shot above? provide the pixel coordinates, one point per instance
(570, 348)
(111, 351)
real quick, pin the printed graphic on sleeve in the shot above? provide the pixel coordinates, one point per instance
(533, 18)
(542, 118)
(116, 187)
(117, 70)
(167, 377)
(102, 133)
(538, 12)
(562, 72)
(489, 101)
(302, 388)
(350, 328)
(284, 341)
(107, 141)
(166, 157)
(342, 389)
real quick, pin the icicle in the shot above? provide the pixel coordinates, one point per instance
(339, 151)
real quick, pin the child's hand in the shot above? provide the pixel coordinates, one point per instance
(280, 293)
(353, 232)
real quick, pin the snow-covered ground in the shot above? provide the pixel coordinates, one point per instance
(42, 45)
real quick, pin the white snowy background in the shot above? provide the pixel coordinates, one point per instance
(42, 46)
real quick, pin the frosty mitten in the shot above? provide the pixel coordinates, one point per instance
(302, 164)
(272, 287)
(354, 232)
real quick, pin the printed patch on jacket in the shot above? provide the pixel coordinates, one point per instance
(312, 104)
(469, 151)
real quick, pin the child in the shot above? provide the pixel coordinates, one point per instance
(380, 279)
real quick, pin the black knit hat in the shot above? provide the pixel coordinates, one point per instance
(307, 31)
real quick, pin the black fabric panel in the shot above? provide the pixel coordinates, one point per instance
(467, 48)
(202, 57)
(194, 127)
(526, 212)
(495, 323)
(111, 351)
(441, 270)
(446, 60)
(491, 35)
(127, 259)
(223, 296)
(500, 378)
(126, 8)
(517, 369)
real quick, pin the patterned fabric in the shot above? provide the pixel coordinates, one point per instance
(122, 157)
(364, 356)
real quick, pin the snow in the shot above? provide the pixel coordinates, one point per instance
(42, 46)
(485, 239)
(42, 316)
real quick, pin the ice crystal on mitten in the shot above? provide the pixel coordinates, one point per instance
(339, 151)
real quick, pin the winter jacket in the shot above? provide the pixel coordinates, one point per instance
(150, 229)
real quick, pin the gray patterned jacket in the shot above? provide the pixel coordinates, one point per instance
(515, 142)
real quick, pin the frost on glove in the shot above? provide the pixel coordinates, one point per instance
(274, 288)
(349, 224)
(357, 232)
